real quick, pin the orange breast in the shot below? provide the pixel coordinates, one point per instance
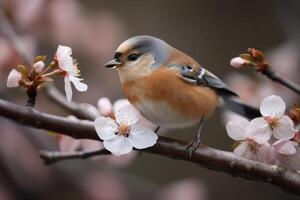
(164, 85)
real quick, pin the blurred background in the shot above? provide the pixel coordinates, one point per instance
(211, 31)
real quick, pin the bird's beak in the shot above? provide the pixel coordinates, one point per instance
(113, 64)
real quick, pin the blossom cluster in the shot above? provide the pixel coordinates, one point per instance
(270, 138)
(62, 64)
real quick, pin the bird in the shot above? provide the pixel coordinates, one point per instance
(169, 87)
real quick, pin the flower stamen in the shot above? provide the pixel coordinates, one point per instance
(254, 147)
(124, 130)
(273, 122)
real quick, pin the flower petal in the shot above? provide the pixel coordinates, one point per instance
(263, 154)
(104, 105)
(68, 89)
(141, 137)
(285, 130)
(106, 128)
(259, 130)
(242, 149)
(127, 115)
(64, 58)
(237, 129)
(291, 161)
(13, 78)
(272, 106)
(81, 87)
(118, 145)
(65, 63)
(285, 147)
(63, 50)
(119, 104)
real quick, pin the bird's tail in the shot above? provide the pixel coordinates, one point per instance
(241, 108)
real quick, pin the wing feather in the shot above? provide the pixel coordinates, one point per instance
(202, 77)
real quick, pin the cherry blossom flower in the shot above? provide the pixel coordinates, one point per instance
(237, 62)
(39, 66)
(69, 68)
(251, 144)
(286, 153)
(121, 135)
(285, 147)
(14, 79)
(274, 122)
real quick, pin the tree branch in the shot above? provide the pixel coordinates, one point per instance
(205, 156)
(50, 157)
(82, 111)
(274, 76)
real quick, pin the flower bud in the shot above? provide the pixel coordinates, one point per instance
(13, 79)
(39, 66)
(104, 105)
(237, 62)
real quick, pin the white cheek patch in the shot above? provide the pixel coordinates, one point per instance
(202, 72)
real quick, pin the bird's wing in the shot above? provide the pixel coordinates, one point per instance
(198, 75)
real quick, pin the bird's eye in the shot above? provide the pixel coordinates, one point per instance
(133, 57)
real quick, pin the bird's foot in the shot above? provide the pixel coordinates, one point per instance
(194, 144)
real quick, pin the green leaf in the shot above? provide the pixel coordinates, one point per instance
(246, 56)
(23, 70)
(40, 58)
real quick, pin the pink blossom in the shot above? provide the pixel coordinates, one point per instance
(39, 66)
(237, 62)
(251, 145)
(273, 122)
(14, 79)
(104, 106)
(286, 153)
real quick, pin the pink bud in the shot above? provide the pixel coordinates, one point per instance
(13, 79)
(39, 66)
(104, 105)
(237, 62)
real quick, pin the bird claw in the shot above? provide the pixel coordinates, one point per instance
(193, 146)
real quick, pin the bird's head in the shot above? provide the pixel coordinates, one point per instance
(139, 56)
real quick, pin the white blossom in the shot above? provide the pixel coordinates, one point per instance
(14, 78)
(251, 145)
(70, 70)
(121, 135)
(274, 122)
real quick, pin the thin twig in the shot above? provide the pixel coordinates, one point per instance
(274, 76)
(207, 157)
(51, 157)
(82, 111)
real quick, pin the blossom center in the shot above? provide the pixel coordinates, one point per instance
(253, 146)
(273, 122)
(124, 130)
